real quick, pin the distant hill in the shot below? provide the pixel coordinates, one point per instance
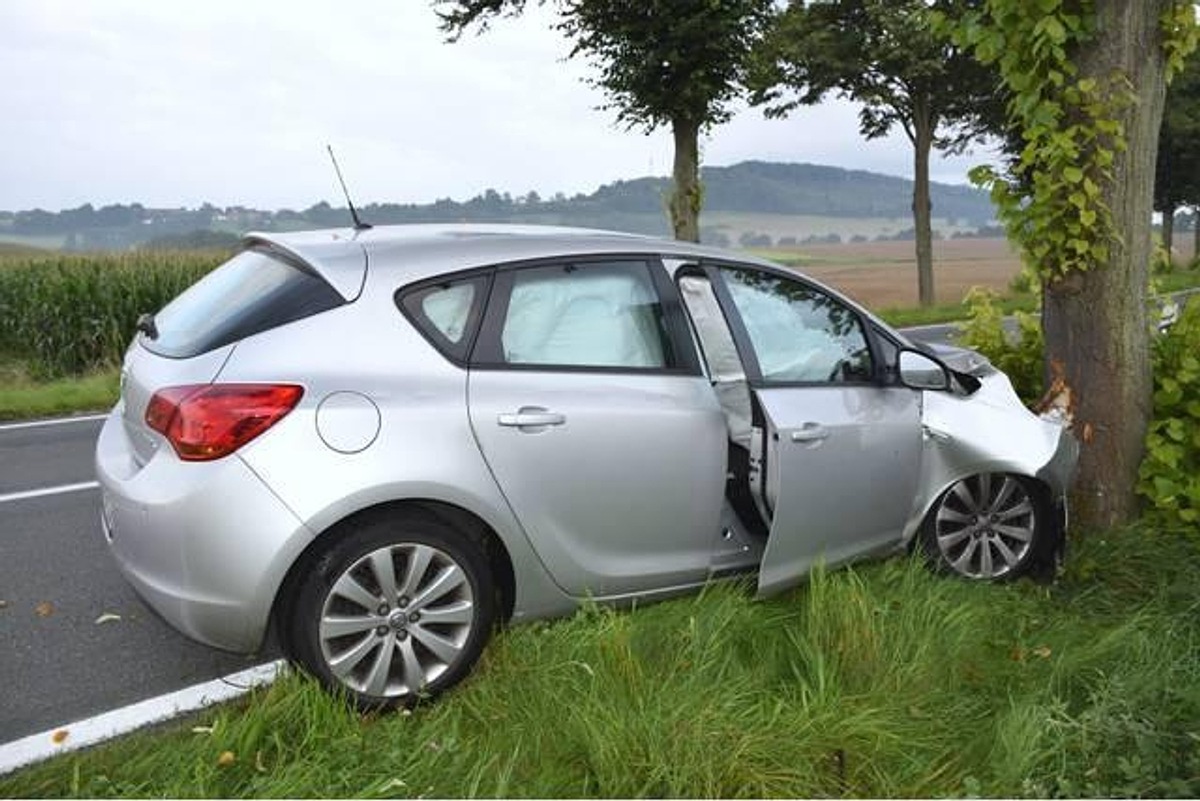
(745, 202)
(809, 189)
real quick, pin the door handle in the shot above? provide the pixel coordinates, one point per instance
(532, 417)
(810, 432)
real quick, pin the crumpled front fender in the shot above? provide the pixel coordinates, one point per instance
(988, 431)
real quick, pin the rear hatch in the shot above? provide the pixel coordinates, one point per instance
(192, 337)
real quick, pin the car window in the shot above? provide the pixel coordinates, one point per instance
(590, 315)
(799, 334)
(252, 292)
(446, 312)
(447, 308)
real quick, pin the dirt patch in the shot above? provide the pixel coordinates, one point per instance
(883, 275)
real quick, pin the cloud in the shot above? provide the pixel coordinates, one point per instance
(233, 103)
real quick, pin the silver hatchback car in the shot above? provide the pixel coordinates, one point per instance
(386, 442)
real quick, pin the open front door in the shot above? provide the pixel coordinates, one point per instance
(835, 453)
(840, 474)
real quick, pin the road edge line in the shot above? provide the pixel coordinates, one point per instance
(53, 421)
(117, 722)
(61, 489)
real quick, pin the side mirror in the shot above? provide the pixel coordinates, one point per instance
(919, 371)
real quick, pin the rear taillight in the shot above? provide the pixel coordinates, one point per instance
(207, 421)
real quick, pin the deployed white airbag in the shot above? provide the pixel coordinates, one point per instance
(599, 316)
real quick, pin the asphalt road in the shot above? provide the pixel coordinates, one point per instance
(938, 334)
(63, 659)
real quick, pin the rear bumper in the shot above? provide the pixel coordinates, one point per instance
(206, 545)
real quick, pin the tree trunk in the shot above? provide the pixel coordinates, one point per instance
(1168, 229)
(921, 204)
(1195, 234)
(686, 193)
(1096, 327)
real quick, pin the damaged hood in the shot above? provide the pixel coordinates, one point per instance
(962, 360)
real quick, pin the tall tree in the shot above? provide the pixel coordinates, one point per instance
(886, 56)
(673, 63)
(1088, 80)
(1177, 173)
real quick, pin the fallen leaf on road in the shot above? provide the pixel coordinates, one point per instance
(3, 604)
(107, 617)
(44, 609)
(226, 759)
(59, 736)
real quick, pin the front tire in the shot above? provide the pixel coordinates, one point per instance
(395, 609)
(989, 527)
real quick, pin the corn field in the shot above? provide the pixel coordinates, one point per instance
(66, 314)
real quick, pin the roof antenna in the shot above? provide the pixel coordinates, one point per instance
(359, 225)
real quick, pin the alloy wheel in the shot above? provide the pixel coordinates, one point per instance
(396, 620)
(985, 526)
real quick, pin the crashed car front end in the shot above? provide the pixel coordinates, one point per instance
(983, 428)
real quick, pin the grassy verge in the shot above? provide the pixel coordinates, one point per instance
(883, 681)
(950, 312)
(22, 397)
(1176, 281)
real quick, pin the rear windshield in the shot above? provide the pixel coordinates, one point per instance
(252, 292)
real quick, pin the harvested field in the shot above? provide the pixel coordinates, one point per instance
(883, 275)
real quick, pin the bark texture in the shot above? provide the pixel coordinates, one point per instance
(1096, 327)
(1168, 227)
(686, 192)
(922, 206)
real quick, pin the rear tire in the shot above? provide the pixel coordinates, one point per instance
(396, 608)
(988, 527)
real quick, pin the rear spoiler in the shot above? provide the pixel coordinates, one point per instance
(340, 261)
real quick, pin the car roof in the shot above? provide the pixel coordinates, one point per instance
(411, 252)
(400, 254)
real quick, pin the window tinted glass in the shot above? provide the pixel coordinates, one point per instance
(591, 315)
(250, 293)
(799, 333)
(446, 313)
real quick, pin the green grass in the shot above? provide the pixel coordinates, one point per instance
(883, 681)
(1179, 278)
(21, 397)
(951, 312)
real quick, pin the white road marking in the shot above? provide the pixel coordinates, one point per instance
(44, 491)
(56, 421)
(94, 730)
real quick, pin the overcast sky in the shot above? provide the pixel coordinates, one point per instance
(174, 104)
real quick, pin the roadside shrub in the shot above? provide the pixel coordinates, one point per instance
(1025, 282)
(1019, 355)
(1170, 473)
(67, 314)
(1161, 262)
